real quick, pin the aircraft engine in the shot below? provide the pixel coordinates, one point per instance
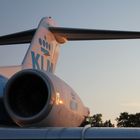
(36, 98)
(4, 117)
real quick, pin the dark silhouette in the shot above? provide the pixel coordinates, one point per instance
(128, 120)
(108, 123)
(96, 121)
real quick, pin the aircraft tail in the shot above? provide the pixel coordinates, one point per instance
(44, 49)
(45, 40)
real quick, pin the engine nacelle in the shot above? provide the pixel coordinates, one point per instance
(36, 98)
(4, 117)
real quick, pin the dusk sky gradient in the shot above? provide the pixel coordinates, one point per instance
(105, 74)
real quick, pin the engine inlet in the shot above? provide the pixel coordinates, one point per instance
(27, 94)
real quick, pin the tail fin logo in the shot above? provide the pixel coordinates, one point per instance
(45, 47)
(42, 60)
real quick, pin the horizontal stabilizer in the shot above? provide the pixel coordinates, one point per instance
(70, 34)
(17, 38)
(93, 34)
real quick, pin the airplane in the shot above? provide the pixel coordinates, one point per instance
(31, 95)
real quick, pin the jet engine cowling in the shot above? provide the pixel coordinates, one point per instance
(31, 99)
(4, 117)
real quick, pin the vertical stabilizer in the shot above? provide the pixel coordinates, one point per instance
(44, 49)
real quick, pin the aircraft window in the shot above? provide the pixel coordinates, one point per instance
(73, 105)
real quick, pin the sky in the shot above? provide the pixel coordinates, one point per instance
(105, 74)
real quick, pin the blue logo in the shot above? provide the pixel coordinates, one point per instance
(42, 62)
(45, 47)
